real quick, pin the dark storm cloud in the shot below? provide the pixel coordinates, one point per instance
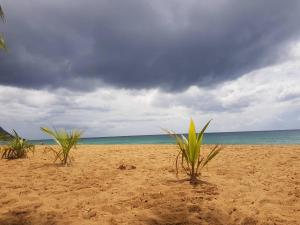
(142, 44)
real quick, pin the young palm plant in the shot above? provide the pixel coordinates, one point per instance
(16, 148)
(190, 152)
(66, 142)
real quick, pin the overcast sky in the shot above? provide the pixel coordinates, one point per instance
(126, 67)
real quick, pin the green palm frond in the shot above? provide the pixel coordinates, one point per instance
(2, 41)
(2, 16)
(190, 151)
(17, 147)
(66, 142)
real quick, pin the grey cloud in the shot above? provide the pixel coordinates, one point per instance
(294, 96)
(206, 102)
(82, 45)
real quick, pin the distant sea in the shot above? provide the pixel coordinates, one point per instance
(248, 137)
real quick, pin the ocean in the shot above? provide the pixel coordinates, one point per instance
(247, 137)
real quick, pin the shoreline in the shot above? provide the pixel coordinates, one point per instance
(281, 137)
(166, 144)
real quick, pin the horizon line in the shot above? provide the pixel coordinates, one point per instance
(140, 135)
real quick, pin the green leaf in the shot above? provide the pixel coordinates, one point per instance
(190, 151)
(192, 141)
(65, 140)
(200, 135)
(2, 43)
(2, 16)
(17, 147)
(199, 140)
(214, 152)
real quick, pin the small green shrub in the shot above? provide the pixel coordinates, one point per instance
(190, 152)
(66, 142)
(16, 147)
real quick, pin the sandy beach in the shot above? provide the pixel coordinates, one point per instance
(245, 184)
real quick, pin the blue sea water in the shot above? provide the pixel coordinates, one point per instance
(249, 137)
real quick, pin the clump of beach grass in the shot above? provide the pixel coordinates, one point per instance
(66, 142)
(189, 156)
(17, 147)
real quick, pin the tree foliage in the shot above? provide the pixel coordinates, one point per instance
(2, 41)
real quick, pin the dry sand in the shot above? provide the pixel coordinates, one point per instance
(243, 185)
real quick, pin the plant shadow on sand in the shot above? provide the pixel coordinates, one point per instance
(187, 205)
(29, 216)
(197, 184)
(50, 165)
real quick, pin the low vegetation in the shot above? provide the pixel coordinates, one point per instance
(189, 156)
(16, 147)
(66, 142)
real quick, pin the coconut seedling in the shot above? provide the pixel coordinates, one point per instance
(17, 147)
(190, 155)
(66, 142)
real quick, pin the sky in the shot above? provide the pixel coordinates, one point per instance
(115, 67)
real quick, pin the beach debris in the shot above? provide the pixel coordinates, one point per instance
(89, 214)
(126, 167)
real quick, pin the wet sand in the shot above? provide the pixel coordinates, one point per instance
(245, 184)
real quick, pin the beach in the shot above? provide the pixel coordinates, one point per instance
(244, 184)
